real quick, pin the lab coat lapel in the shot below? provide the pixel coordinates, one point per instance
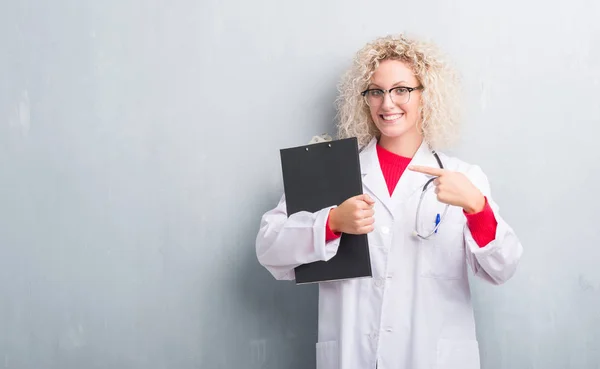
(372, 176)
(411, 181)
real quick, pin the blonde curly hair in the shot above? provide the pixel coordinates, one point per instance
(440, 113)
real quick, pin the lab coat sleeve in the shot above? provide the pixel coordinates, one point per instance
(284, 243)
(497, 261)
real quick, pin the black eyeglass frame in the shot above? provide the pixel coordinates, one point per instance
(409, 89)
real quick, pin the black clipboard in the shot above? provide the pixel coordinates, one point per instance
(319, 175)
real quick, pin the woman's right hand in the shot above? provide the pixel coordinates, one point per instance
(353, 216)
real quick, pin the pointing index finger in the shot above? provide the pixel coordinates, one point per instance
(427, 170)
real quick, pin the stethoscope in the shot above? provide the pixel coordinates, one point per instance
(438, 219)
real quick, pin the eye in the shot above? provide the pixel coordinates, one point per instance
(375, 93)
(400, 91)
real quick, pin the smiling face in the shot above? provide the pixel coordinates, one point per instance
(397, 113)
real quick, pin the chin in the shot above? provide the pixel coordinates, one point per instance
(394, 131)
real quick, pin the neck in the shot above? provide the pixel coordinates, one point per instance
(405, 145)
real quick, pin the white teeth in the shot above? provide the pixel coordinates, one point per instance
(391, 117)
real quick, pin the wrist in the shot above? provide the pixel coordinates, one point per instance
(332, 223)
(476, 205)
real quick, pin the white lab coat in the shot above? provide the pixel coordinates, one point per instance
(416, 312)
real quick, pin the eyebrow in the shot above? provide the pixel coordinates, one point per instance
(394, 85)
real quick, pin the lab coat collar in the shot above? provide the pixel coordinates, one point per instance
(409, 182)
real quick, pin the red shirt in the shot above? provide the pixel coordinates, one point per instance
(482, 225)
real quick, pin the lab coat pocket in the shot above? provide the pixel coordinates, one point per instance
(327, 355)
(443, 255)
(457, 354)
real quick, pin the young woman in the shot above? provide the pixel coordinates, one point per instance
(427, 215)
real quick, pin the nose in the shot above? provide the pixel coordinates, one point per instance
(387, 101)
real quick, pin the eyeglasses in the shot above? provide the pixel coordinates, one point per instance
(400, 95)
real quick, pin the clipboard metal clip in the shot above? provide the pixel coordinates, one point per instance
(320, 138)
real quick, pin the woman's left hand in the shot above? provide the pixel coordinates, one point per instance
(454, 188)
